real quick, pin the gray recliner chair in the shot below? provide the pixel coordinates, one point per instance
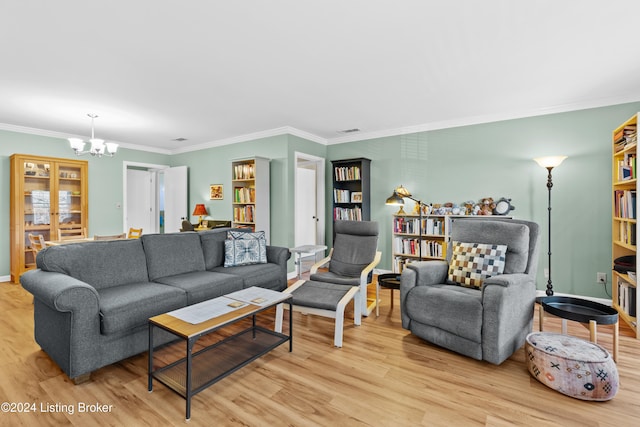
(352, 259)
(489, 323)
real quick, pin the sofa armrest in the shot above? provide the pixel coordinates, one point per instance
(61, 292)
(278, 255)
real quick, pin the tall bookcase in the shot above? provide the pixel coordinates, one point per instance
(351, 189)
(250, 186)
(47, 194)
(625, 207)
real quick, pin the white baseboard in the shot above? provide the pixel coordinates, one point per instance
(5, 278)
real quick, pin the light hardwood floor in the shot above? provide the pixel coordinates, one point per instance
(383, 376)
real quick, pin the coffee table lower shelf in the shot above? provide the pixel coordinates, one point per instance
(203, 368)
(218, 361)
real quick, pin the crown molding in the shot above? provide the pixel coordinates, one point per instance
(284, 130)
(483, 119)
(61, 135)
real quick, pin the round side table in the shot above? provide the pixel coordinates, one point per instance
(583, 311)
(389, 281)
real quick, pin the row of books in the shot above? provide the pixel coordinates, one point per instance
(626, 135)
(399, 264)
(627, 233)
(424, 248)
(244, 195)
(347, 214)
(430, 226)
(627, 167)
(625, 203)
(341, 196)
(244, 171)
(627, 297)
(347, 173)
(244, 214)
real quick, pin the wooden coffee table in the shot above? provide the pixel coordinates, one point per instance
(197, 371)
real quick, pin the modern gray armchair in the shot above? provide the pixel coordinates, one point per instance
(352, 258)
(492, 321)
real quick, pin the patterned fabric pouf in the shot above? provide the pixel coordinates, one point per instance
(572, 366)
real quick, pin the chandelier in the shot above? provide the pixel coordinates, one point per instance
(98, 148)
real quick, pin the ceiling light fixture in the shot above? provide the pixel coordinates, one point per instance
(98, 148)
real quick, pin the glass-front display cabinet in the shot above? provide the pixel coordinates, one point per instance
(47, 194)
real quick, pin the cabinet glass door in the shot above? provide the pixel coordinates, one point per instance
(69, 196)
(37, 204)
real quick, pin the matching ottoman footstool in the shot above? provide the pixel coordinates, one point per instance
(322, 299)
(572, 366)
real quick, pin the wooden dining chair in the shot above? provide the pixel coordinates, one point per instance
(134, 233)
(72, 233)
(112, 237)
(36, 242)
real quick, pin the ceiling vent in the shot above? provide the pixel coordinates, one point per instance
(349, 130)
(179, 139)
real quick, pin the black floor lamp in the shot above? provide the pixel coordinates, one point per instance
(549, 163)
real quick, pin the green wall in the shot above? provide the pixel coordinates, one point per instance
(449, 165)
(495, 160)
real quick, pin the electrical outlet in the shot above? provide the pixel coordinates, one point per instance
(601, 278)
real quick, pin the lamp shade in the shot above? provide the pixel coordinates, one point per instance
(395, 200)
(402, 192)
(200, 210)
(550, 161)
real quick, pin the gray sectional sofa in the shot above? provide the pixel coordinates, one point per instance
(92, 300)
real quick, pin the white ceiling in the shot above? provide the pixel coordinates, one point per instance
(216, 71)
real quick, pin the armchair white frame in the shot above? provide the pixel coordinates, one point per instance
(367, 305)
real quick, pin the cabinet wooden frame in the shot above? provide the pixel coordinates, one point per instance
(47, 194)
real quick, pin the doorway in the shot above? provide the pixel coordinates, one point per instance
(309, 204)
(155, 197)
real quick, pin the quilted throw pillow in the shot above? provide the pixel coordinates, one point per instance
(245, 248)
(472, 263)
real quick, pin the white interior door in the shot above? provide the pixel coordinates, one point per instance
(309, 202)
(306, 213)
(140, 203)
(175, 198)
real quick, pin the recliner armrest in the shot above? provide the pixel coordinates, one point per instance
(429, 272)
(507, 279)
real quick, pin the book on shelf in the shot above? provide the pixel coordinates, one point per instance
(347, 214)
(627, 297)
(244, 171)
(244, 194)
(625, 204)
(341, 196)
(347, 173)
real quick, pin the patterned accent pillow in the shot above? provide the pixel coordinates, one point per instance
(472, 263)
(244, 248)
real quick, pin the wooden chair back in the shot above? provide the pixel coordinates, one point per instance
(134, 233)
(112, 237)
(37, 242)
(72, 233)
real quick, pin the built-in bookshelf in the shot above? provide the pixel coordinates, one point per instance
(624, 223)
(250, 192)
(351, 189)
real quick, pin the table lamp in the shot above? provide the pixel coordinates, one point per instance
(200, 211)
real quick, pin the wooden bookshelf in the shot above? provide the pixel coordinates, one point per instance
(624, 219)
(250, 194)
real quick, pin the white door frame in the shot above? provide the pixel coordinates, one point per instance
(125, 166)
(320, 191)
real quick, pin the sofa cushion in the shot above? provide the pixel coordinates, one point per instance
(471, 263)
(203, 285)
(172, 254)
(431, 305)
(101, 264)
(128, 306)
(213, 247)
(263, 275)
